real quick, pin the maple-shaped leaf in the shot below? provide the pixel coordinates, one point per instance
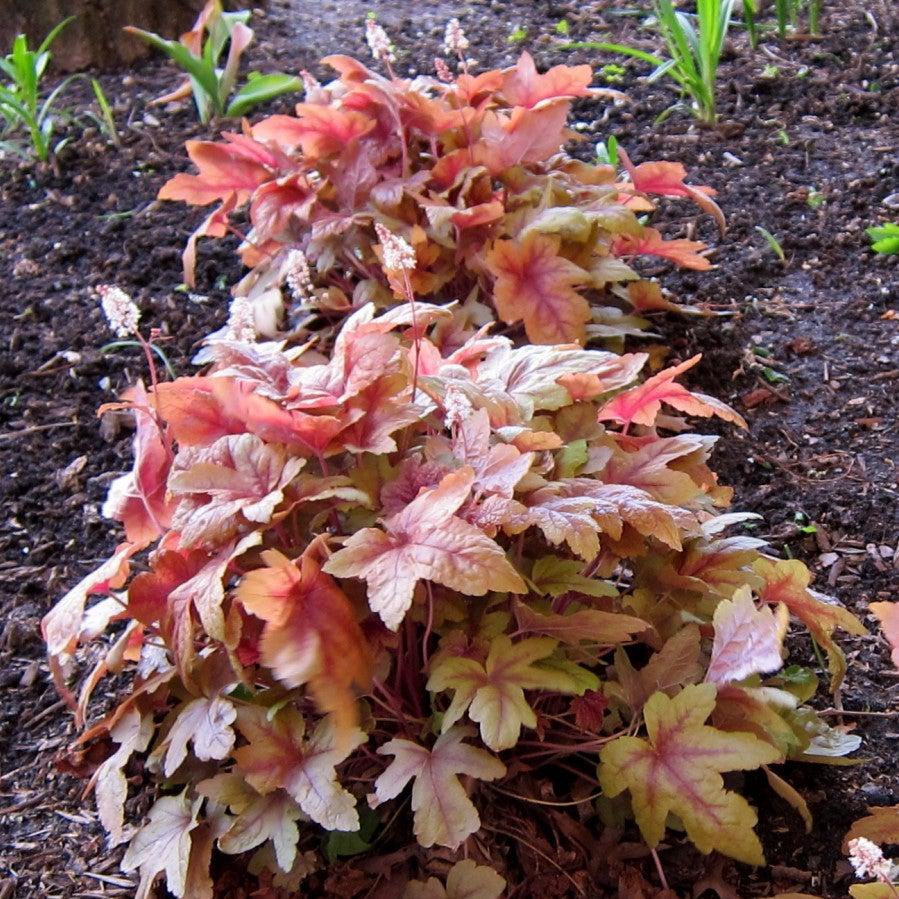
(493, 692)
(887, 614)
(562, 519)
(748, 639)
(589, 710)
(318, 130)
(257, 818)
(520, 136)
(207, 724)
(225, 169)
(465, 880)
(880, 825)
(133, 733)
(236, 479)
(138, 498)
(788, 582)
(279, 756)
(311, 633)
(534, 284)
(443, 813)
(666, 179)
(580, 625)
(425, 541)
(524, 86)
(164, 844)
(642, 404)
(682, 252)
(677, 769)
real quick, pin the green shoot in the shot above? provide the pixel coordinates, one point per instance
(773, 243)
(749, 20)
(694, 51)
(106, 116)
(562, 27)
(120, 344)
(214, 86)
(517, 35)
(885, 238)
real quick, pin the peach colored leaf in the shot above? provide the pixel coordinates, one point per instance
(534, 284)
(278, 756)
(133, 733)
(493, 693)
(443, 813)
(311, 633)
(531, 375)
(522, 136)
(497, 468)
(163, 844)
(580, 626)
(61, 626)
(318, 130)
(880, 825)
(225, 169)
(791, 795)
(465, 880)
(677, 769)
(748, 639)
(685, 253)
(138, 498)
(887, 614)
(220, 489)
(425, 541)
(524, 86)
(256, 819)
(562, 519)
(788, 582)
(872, 891)
(641, 405)
(207, 724)
(666, 179)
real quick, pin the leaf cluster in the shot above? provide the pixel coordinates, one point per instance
(471, 173)
(410, 558)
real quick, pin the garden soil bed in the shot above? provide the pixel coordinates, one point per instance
(808, 149)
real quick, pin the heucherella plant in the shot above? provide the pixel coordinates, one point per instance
(863, 846)
(414, 559)
(470, 171)
(213, 86)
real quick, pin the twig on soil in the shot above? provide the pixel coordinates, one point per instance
(45, 713)
(859, 713)
(13, 435)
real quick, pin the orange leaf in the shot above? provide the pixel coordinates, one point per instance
(642, 404)
(318, 130)
(684, 253)
(888, 615)
(787, 582)
(524, 86)
(311, 633)
(534, 284)
(224, 169)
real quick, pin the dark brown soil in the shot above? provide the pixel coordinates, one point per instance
(808, 152)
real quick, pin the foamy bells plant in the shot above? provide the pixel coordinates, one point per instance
(471, 172)
(421, 560)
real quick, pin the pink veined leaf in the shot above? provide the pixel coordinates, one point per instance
(163, 844)
(443, 813)
(133, 733)
(887, 614)
(207, 724)
(318, 130)
(748, 639)
(138, 498)
(278, 755)
(641, 405)
(497, 468)
(426, 541)
(235, 482)
(677, 769)
(525, 135)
